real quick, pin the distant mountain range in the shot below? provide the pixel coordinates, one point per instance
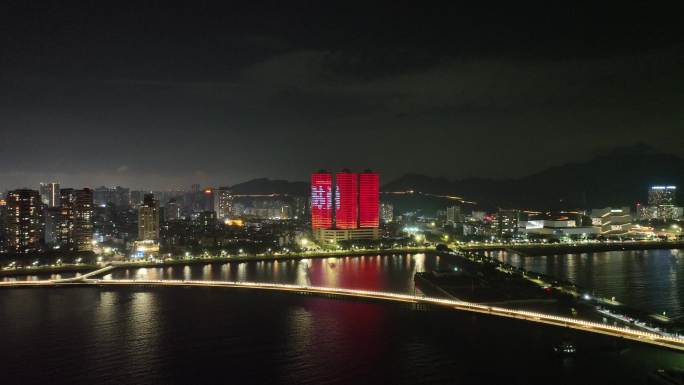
(619, 177)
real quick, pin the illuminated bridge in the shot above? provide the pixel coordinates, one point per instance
(663, 340)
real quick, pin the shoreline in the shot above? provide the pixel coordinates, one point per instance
(525, 250)
(536, 250)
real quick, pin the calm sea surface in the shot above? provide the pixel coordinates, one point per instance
(204, 335)
(646, 279)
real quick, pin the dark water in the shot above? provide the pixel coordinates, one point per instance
(203, 336)
(646, 279)
(379, 272)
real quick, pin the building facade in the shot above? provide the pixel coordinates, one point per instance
(224, 203)
(612, 221)
(346, 200)
(386, 212)
(356, 202)
(453, 215)
(75, 231)
(369, 199)
(49, 194)
(24, 221)
(661, 204)
(321, 200)
(148, 219)
(507, 223)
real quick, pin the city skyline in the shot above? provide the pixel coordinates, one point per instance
(307, 192)
(664, 168)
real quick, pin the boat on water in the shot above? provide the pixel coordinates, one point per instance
(565, 348)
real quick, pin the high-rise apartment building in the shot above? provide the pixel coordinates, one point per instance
(346, 200)
(224, 203)
(136, 197)
(207, 199)
(24, 221)
(118, 196)
(49, 194)
(148, 219)
(661, 204)
(369, 199)
(83, 220)
(662, 195)
(507, 223)
(172, 210)
(53, 221)
(321, 200)
(453, 215)
(76, 229)
(354, 201)
(386, 212)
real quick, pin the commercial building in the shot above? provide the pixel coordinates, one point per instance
(24, 221)
(334, 235)
(556, 227)
(356, 206)
(148, 219)
(612, 221)
(661, 204)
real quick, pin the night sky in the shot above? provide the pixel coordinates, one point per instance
(149, 96)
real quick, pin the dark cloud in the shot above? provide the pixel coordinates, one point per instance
(158, 96)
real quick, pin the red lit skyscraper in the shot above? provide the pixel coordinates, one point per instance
(321, 200)
(369, 197)
(346, 200)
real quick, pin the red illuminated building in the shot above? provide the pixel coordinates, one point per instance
(346, 198)
(352, 198)
(321, 200)
(369, 197)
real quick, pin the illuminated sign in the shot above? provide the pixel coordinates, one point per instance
(321, 201)
(356, 200)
